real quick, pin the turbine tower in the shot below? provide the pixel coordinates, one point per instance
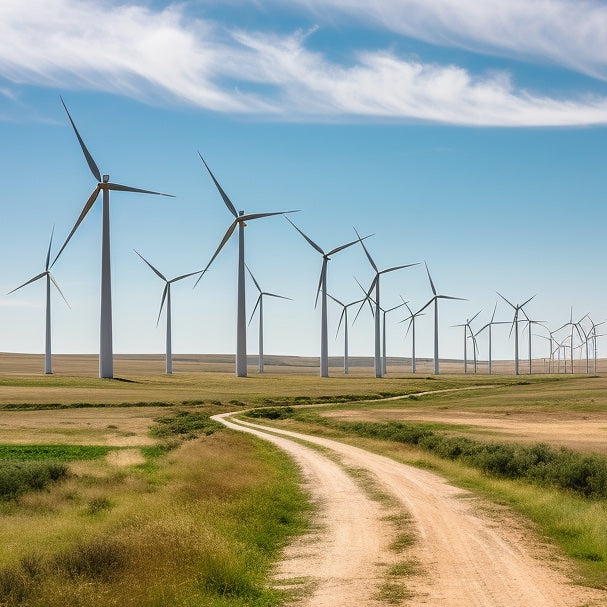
(517, 308)
(379, 366)
(166, 296)
(411, 326)
(488, 327)
(322, 288)
(344, 318)
(531, 322)
(48, 366)
(574, 326)
(240, 220)
(106, 358)
(434, 300)
(259, 303)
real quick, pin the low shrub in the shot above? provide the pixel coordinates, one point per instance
(18, 477)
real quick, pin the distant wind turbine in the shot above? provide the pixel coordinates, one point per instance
(166, 296)
(468, 329)
(434, 300)
(344, 318)
(322, 290)
(488, 327)
(259, 303)
(48, 367)
(379, 366)
(106, 362)
(531, 322)
(517, 308)
(574, 326)
(241, 317)
(411, 326)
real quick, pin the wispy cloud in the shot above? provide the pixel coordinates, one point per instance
(165, 54)
(570, 33)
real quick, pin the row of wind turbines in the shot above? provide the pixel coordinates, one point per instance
(371, 295)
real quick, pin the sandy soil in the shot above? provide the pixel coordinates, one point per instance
(579, 431)
(470, 558)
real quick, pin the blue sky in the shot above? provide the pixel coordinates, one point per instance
(470, 135)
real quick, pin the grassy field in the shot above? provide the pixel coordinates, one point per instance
(176, 515)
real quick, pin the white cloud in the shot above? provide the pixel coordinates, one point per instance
(151, 55)
(571, 33)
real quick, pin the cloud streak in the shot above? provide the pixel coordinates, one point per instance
(165, 55)
(570, 33)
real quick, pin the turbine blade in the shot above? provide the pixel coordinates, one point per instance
(422, 309)
(253, 277)
(58, 289)
(493, 315)
(512, 328)
(345, 246)
(48, 253)
(30, 281)
(225, 239)
(279, 296)
(87, 207)
(151, 266)
(223, 195)
(509, 303)
(474, 316)
(366, 251)
(409, 326)
(185, 276)
(336, 300)
(89, 158)
(398, 268)
(343, 313)
(430, 279)
(449, 297)
(252, 216)
(255, 308)
(127, 188)
(524, 304)
(323, 273)
(164, 296)
(309, 240)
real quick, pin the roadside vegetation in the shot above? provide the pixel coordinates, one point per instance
(198, 522)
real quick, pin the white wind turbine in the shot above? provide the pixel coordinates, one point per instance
(468, 329)
(259, 303)
(488, 327)
(517, 308)
(379, 365)
(434, 300)
(106, 362)
(344, 318)
(48, 367)
(322, 290)
(574, 326)
(531, 322)
(240, 220)
(166, 296)
(593, 335)
(411, 326)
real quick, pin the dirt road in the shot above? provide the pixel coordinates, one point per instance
(466, 558)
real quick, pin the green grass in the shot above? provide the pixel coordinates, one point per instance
(56, 452)
(185, 424)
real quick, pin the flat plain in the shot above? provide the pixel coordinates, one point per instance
(173, 478)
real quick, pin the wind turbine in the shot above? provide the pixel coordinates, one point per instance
(322, 288)
(240, 220)
(106, 362)
(166, 296)
(344, 317)
(573, 325)
(488, 327)
(528, 327)
(435, 298)
(517, 308)
(379, 366)
(411, 318)
(260, 304)
(468, 328)
(48, 367)
(593, 335)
